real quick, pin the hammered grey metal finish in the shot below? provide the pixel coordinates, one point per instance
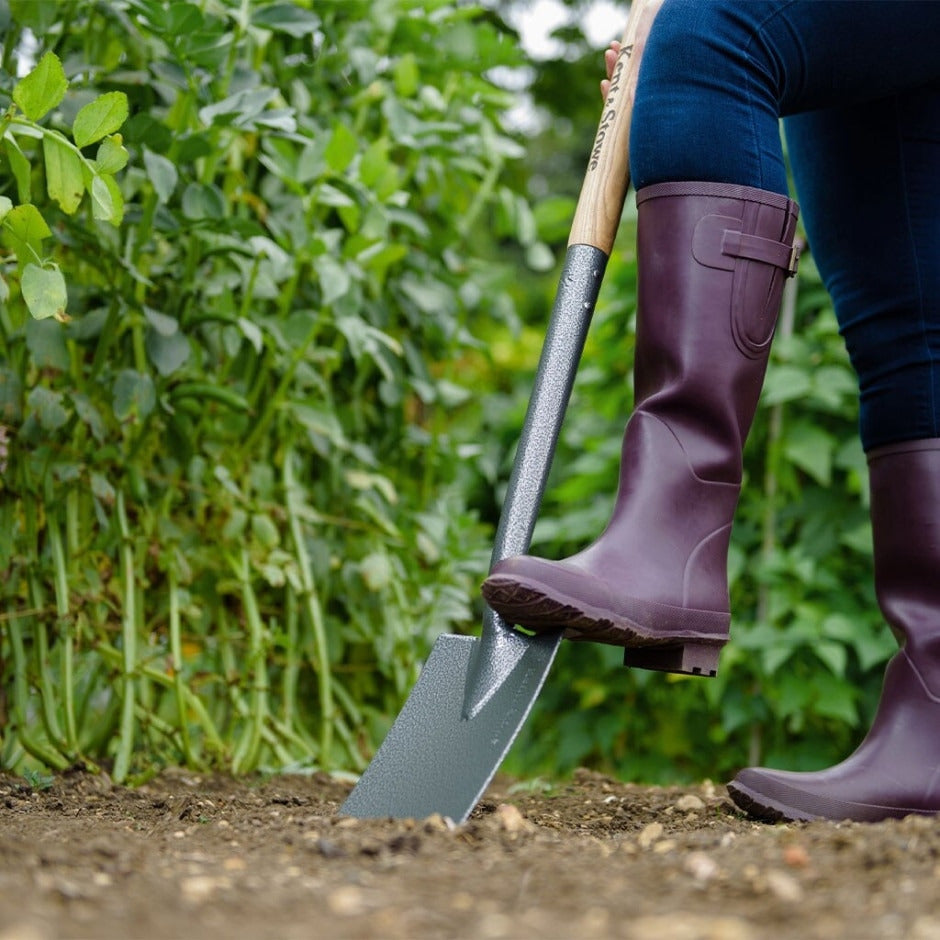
(434, 760)
(578, 289)
(579, 285)
(474, 695)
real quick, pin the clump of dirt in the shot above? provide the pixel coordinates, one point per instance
(212, 857)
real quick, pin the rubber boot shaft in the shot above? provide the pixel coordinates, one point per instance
(895, 771)
(712, 261)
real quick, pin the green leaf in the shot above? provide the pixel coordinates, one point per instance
(833, 654)
(252, 333)
(167, 352)
(107, 203)
(792, 695)
(428, 295)
(64, 181)
(379, 257)
(45, 340)
(90, 415)
(112, 155)
(810, 448)
(286, 18)
(38, 15)
(102, 489)
(774, 657)
(341, 149)
(240, 109)
(21, 169)
(836, 699)
(48, 408)
(133, 395)
(5, 206)
(858, 538)
(99, 118)
(376, 571)
(234, 526)
(553, 218)
(539, 257)
(320, 422)
(24, 229)
(184, 19)
(44, 291)
(361, 480)
(42, 89)
(201, 201)
(164, 324)
(874, 649)
(144, 129)
(374, 162)
(102, 203)
(834, 384)
(333, 276)
(406, 75)
(162, 173)
(785, 383)
(264, 530)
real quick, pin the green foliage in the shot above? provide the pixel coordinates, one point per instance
(36, 780)
(69, 175)
(233, 491)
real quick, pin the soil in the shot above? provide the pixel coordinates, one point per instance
(189, 856)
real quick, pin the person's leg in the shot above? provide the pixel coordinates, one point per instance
(717, 75)
(868, 177)
(871, 192)
(895, 771)
(715, 78)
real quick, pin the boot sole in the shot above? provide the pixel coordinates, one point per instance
(761, 807)
(767, 809)
(535, 610)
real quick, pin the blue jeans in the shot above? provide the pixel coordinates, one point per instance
(858, 85)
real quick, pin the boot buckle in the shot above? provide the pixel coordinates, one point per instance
(794, 259)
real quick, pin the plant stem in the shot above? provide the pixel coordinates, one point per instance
(66, 639)
(45, 682)
(176, 654)
(311, 605)
(248, 751)
(33, 747)
(116, 657)
(272, 402)
(129, 643)
(769, 524)
(292, 657)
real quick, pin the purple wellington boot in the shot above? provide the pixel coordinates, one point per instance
(896, 770)
(712, 260)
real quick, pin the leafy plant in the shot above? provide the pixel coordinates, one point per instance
(36, 780)
(233, 489)
(69, 176)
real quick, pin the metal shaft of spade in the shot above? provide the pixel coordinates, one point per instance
(474, 694)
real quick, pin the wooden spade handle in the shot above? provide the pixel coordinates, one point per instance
(608, 174)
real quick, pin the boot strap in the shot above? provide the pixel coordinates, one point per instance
(765, 250)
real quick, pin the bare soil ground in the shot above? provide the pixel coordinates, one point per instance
(187, 856)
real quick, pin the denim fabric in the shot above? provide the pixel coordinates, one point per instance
(858, 83)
